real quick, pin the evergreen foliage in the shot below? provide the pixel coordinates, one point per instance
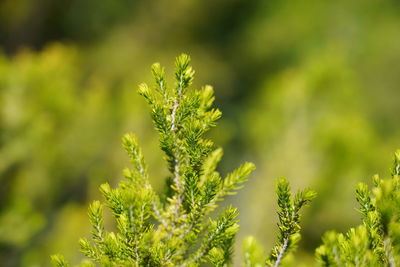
(377, 241)
(289, 207)
(175, 229)
(289, 220)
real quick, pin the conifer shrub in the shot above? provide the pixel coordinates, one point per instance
(172, 229)
(177, 228)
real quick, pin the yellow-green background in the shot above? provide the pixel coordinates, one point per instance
(309, 90)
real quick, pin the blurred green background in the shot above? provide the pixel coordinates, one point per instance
(309, 90)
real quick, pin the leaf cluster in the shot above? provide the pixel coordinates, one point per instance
(376, 242)
(174, 229)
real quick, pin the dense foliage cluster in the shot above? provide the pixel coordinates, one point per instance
(176, 229)
(173, 229)
(377, 241)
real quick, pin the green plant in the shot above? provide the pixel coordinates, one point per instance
(377, 241)
(174, 229)
(289, 227)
